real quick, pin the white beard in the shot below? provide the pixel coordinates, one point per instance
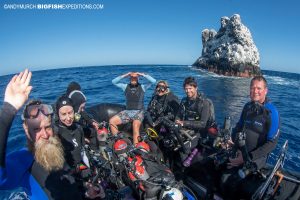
(49, 153)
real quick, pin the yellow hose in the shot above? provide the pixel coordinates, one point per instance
(151, 133)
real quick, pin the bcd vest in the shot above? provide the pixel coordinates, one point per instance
(256, 124)
(158, 105)
(193, 109)
(134, 97)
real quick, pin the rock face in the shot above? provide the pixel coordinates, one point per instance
(230, 51)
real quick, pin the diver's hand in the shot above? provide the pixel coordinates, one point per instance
(140, 74)
(235, 162)
(227, 145)
(179, 122)
(127, 74)
(134, 74)
(18, 89)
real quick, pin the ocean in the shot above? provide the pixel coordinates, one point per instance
(229, 94)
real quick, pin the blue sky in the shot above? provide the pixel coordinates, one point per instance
(141, 32)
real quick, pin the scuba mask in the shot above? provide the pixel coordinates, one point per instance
(161, 88)
(33, 110)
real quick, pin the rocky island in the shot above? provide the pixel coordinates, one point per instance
(230, 51)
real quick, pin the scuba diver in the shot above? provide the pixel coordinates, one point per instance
(134, 94)
(78, 99)
(40, 170)
(82, 118)
(196, 115)
(255, 136)
(70, 133)
(163, 103)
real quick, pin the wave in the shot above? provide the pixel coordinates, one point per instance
(277, 80)
(214, 75)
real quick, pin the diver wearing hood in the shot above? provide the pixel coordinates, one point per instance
(78, 99)
(70, 133)
(72, 86)
(79, 104)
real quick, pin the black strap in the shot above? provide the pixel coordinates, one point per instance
(165, 104)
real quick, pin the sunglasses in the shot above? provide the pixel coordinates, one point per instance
(33, 109)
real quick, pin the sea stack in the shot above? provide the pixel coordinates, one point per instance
(230, 51)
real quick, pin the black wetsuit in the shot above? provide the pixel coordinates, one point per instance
(165, 105)
(19, 169)
(72, 139)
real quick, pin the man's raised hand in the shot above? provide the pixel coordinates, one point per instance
(18, 89)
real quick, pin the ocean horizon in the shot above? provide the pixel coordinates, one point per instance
(141, 65)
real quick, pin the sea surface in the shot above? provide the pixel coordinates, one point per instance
(228, 94)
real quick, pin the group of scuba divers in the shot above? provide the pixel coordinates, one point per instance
(71, 155)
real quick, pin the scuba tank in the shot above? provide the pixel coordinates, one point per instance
(135, 163)
(137, 168)
(102, 134)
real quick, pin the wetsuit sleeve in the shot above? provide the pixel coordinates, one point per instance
(87, 118)
(264, 150)
(199, 124)
(116, 82)
(151, 80)
(274, 121)
(272, 135)
(11, 169)
(7, 115)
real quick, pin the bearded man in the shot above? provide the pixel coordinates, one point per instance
(39, 170)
